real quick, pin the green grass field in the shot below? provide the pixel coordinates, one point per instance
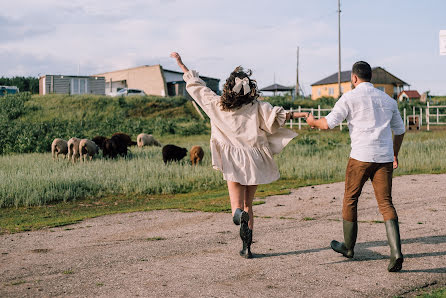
(36, 191)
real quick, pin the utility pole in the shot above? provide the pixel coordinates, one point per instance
(297, 74)
(339, 47)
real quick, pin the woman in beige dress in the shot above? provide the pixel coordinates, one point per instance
(245, 133)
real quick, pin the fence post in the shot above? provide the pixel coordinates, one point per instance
(437, 116)
(319, 112)
(404, 115)
(421, 117)
(312, 111)
(300, 124)
(427, 116)
(291, 120)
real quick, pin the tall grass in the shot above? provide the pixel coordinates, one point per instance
(35, 179)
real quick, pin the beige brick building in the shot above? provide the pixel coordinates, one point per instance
(152, 79)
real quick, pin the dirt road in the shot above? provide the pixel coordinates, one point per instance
(170, 253)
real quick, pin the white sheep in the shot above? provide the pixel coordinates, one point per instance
(59, 146)
(73, 149)
(87, 148)
(144, 139)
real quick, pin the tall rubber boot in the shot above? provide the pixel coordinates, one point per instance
(393, 236)
(350, 233)
(246, 250)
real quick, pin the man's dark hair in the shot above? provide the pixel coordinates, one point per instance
(363, 70)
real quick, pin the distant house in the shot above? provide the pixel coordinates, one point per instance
(153, 80)
(277, 88)
(62, 84)
(409, 95)
(381, 79)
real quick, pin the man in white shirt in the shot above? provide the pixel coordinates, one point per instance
(371, 115)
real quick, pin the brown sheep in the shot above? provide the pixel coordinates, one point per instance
(144, 139)
(196, 155)
(58, 147)
(73, 149)
(87, 148)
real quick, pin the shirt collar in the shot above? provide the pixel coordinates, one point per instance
(364, 85)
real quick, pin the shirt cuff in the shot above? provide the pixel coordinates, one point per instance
(281, 116)
(399, 132)
(331, 121)
(191, 74)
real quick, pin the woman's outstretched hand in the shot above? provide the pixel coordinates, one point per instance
(177, 57)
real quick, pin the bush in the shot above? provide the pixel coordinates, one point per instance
(13, 106)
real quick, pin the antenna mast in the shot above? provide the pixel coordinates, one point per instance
(297, 75)
(339, 47)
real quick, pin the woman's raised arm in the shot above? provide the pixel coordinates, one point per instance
(177, 57)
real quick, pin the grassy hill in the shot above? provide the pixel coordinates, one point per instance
(30, 123)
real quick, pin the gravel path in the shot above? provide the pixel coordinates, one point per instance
(170, 253)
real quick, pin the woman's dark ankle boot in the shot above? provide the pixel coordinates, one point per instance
(246, 250)
(350, 233)
(237, 216)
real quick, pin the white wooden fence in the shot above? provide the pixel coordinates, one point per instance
(435, 114)
(317, 113)
(416, 112)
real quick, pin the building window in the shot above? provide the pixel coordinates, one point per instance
(330, 91)
(382, 88)
(342, 89)
(318, 91)
(78, 86)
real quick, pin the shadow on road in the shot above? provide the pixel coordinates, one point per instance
(432, 270)
(363, 253)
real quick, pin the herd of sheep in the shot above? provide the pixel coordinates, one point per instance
(84, 149)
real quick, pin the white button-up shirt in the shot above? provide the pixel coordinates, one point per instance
(371, 116)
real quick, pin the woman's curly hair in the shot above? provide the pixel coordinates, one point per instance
(230, 100)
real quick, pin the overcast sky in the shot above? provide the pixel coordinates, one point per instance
(55, 36)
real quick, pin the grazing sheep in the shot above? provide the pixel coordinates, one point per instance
(173, 153)
(196, 155)
(110, 148)
(87, 148)
(99, 140)
(124, 138)
(73, 149)
(121, 143)
(144, 139)
(59, 146)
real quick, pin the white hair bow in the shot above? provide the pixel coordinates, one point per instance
(239, 83)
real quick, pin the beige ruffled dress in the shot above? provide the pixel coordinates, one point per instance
(243, 141)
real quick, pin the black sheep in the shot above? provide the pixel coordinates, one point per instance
(110, 148)
(124, 139)
(121, 144)
(99, 140)
(173, 153)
